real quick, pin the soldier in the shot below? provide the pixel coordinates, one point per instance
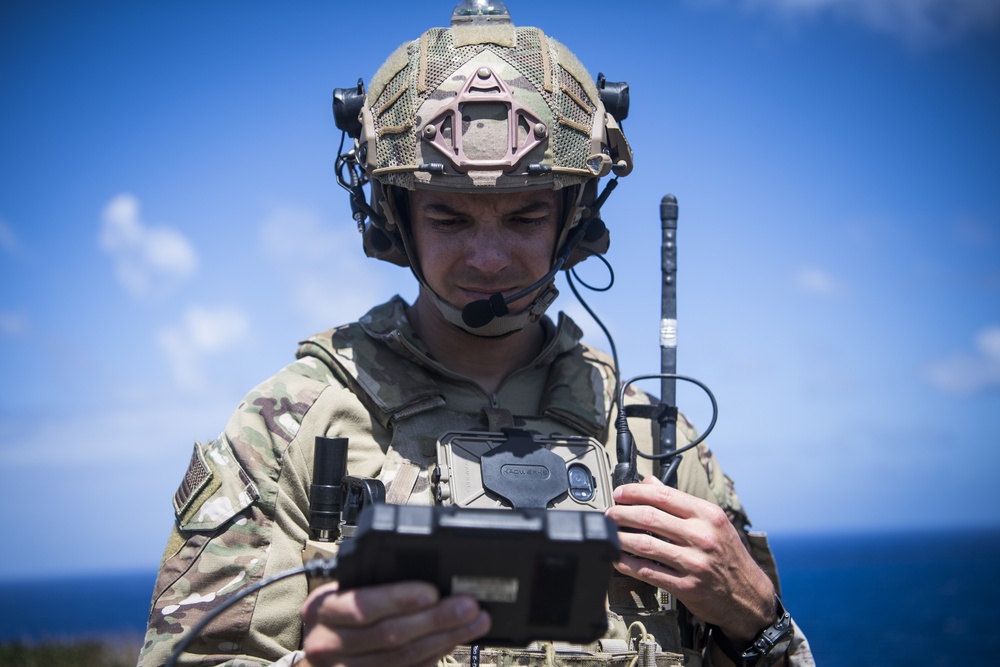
(483, 145)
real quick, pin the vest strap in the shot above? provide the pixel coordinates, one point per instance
(498, 419)
(402, 485)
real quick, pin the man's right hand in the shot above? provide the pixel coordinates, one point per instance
(401, 625)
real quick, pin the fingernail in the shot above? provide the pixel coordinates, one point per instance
(425, 596)
(465, 607)
(482, 623)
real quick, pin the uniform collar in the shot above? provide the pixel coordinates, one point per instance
(389, 324)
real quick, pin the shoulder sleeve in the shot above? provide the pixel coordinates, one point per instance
(242, 516)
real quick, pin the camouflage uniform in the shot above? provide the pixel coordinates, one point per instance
(242, 507)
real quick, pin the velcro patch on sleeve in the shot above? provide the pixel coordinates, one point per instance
(197, 476)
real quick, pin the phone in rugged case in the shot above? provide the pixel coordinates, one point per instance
(522, 470)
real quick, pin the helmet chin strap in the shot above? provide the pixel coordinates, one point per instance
(498, 325)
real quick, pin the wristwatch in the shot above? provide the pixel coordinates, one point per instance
(766, 648)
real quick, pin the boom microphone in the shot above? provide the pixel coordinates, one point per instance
(481, 312)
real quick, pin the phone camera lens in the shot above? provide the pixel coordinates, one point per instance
(581, 482)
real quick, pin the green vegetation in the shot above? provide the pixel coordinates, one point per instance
(102, 652)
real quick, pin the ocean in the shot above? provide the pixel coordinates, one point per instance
(928, 599)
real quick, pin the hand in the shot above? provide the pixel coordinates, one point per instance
(695, 553)
(402, 625)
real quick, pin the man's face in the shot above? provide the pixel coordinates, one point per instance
(472, 246)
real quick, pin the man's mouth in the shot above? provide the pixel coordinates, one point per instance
(477, 292)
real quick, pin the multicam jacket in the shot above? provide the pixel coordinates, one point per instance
(242, 508)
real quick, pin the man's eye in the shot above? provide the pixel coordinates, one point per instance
(446, 222)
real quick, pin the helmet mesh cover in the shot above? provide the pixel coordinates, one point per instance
(434, 58)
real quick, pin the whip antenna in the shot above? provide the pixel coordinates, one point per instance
(668, 343)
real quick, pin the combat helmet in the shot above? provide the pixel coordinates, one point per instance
(482, 106)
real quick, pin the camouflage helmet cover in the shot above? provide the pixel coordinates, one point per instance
(485, 106)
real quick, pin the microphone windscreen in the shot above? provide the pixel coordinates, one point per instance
(477, 313)
(498, 305)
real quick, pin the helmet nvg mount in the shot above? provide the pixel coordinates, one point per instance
(480, 107)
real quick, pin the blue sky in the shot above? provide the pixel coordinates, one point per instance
(170, 227)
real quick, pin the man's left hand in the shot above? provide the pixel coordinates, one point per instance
(689, 548)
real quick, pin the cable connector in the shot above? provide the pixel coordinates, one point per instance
(625, 471)
(321, 567)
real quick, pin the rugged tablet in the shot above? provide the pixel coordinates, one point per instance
(540, 574)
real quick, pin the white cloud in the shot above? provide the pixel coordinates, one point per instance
(9, 243)
(147, 433)
(970, 373)
(988, 343)
(913, 21)
(201, 332)
(296, 235)
(147, 259)
(976, 232)
(331, 281)
(815, 281)
(13, 324)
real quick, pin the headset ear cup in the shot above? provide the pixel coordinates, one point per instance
(596, 241)
(382, 238)
(378, 245)
(378, 241)
(595, 230)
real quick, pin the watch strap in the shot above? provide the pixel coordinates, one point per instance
(771, 641)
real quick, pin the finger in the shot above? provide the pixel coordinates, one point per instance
(659, 495)
(647, 518)
(710, 532)
(639, 567)
(429, 649)
(653, 573)
(365, 606)
(448, 615)
(678, 559)
(386, 643)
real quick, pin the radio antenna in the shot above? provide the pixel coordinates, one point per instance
(668, 344)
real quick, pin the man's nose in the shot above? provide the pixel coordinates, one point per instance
(488, 250)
